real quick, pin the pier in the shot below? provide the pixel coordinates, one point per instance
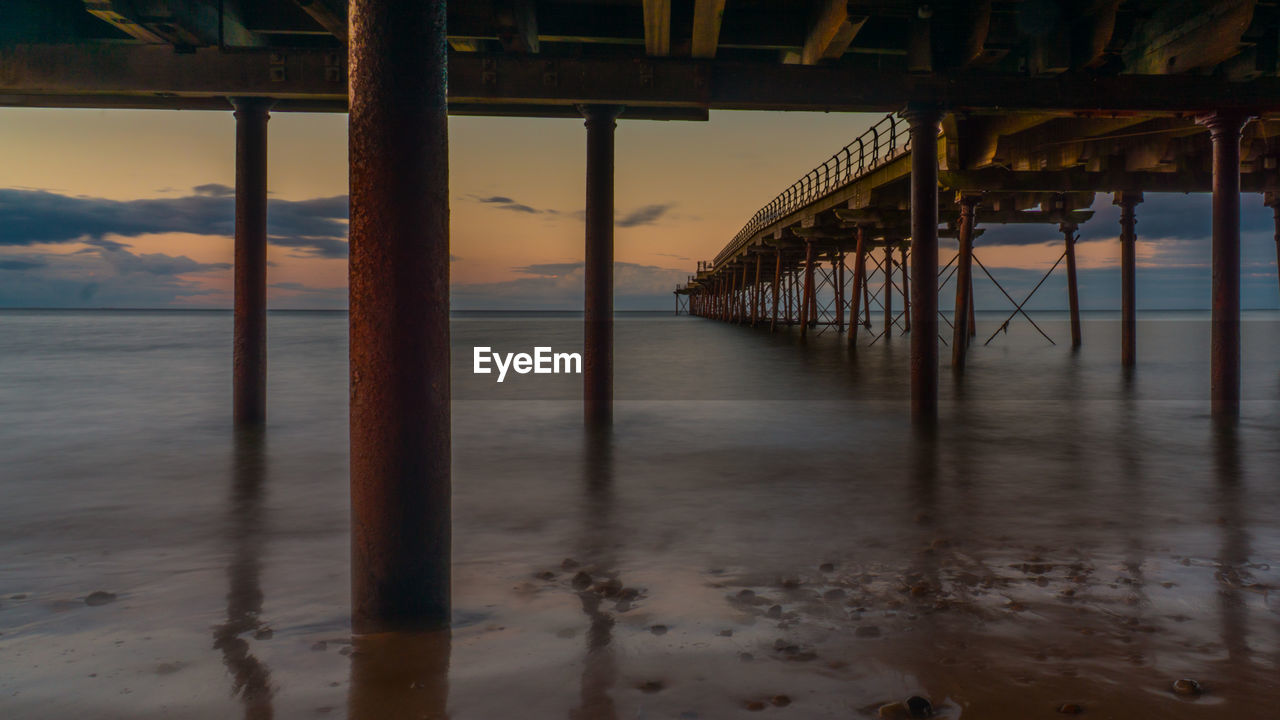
(999, 113)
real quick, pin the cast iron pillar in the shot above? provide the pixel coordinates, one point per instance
(249, 354)
(1225, 129)
(859, 286)
(777, 277)
(906, 290)
(1073, 293)
(805, 317)
(1128, 276)
(597, 356)
(888, 290)
(924, 261)
(964, 280)
(399, 316)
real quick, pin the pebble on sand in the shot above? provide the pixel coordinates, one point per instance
(754, 705)
(658, 629)
(826, 567)
(774, 612)
(1187, 687)
(99, 597)
(867, 631)
(780, 700)
(582, 580)
(651, 686)
(1070, 708)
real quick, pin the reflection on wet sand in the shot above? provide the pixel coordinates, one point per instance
(1233, 557)
(596, 550)
(251, 680)
(400, 675)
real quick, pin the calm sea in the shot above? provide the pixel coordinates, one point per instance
(762, 534)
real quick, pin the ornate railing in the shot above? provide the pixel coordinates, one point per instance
(883, 142)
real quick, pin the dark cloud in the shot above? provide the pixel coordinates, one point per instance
(548, 269)
(321, 247)
(212, 190)
(647, 215)
(21, 264)
(317, 227)
(502, 202)
(120, 278)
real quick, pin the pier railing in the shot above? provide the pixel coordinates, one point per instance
(883, 142)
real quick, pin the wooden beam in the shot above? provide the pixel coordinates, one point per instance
(657, 27)
(107, 11)
(706, 27)
(509, 82)
(334, 21)
(518, 26)
(831, 33)
(1186, 35)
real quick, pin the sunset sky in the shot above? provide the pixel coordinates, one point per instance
(133, 209)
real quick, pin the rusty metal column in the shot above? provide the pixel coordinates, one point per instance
(808, 288)
(249, 353)
(1073, 292)
(859, 286)
(399, 317)
(787, 283)
(973, 323)
(888, 290)
(777, 276)
(924, 261)
(1128, 276)
(755, 294)
(597, 356)
(906, 292)
(866, 292)
(839, 269)
(964, 280)
(1225, 129)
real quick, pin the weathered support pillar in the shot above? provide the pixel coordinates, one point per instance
(597, 355)
(1128, 276)
(838, 262)
(1073, 292)
(1224, 360)
(888, 290)
(859, 289)
(786, 295)
(249, 353)
(777, 277)
(866, 291)
(906, 292)
(973, 321)
(964, 279)
(808, 288)
(399, 316)
(755, 294)
(744, 296)
(924, 261)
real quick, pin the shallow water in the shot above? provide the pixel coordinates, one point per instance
(763, 531)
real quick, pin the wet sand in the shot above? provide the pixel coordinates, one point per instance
(1068, 538)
